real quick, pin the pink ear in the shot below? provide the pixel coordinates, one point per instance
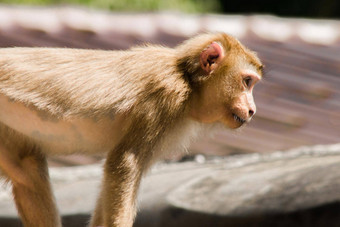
(211, 56)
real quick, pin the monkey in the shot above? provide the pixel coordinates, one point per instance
(132, 105)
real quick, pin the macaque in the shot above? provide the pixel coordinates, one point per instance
(134, 106)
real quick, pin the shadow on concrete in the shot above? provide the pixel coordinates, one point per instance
(327, 215)
(78, 220)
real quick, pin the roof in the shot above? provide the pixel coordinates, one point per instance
(298, 103)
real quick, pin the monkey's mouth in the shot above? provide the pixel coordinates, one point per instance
(239, 119)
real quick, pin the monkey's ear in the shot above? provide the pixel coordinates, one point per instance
(211, 56)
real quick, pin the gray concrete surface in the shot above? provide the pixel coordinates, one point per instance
(216, 190)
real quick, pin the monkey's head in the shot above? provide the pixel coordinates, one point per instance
(222, 77)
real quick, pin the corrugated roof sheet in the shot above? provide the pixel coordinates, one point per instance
(298, 102)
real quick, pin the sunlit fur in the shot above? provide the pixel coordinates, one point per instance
(150, 99)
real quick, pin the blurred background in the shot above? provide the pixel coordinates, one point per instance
(298, 102)
(291, 8)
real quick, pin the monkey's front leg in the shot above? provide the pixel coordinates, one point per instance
(116, 204)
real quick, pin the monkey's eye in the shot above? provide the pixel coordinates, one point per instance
(247, 81)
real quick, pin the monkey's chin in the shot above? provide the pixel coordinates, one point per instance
(237, 125)
(232, 124)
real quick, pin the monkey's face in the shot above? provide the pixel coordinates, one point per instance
(228, 99)
(241, 107)
(226, 96)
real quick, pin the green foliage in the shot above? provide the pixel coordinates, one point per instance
(189, 6)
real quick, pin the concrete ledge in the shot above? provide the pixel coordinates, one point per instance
(297, 187)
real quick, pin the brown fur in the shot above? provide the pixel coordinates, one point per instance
(134, 105)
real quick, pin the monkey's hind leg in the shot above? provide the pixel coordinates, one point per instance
(28, 173)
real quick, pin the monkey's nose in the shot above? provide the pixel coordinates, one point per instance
(251, 112)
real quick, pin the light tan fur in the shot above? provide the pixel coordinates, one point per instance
(133, 105)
